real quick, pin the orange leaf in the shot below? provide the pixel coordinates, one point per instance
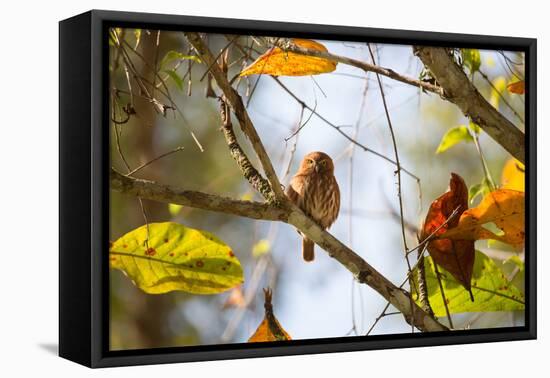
(270, 329)
(513, 175)
(455, 256)
(504, 208)
(517, 87)
(277, 62)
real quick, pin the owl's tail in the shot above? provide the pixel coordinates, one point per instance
(307, 250)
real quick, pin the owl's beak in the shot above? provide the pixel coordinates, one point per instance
(317, 167)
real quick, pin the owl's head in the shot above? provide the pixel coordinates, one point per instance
(317, 162)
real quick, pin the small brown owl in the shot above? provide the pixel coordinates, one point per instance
(314, 190)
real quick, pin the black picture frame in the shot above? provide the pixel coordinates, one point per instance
(84, 193)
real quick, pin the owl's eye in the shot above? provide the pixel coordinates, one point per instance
(309, 161)
(324, 163)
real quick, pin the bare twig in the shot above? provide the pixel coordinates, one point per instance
(236, 103)
(350, 200)
(289, 214)
(398, 172)
(423, 244)
(171, 194)
(302, 125)
(501, 96)
(363, 272)
(159, 107)
(256, 180)
(288, 45)
(177, 149)
(438, 275)
(123, 158)
(485, 167)
(339, 129)
(423, 295)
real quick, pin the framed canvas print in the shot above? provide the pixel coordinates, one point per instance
(234, 188)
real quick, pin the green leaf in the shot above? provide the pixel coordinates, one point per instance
(175, 55)
(471, 59)
(474, 191)
(453, 136)
(176, 78)
(491, 290)
(262, 247)
(481, 189)
(176, 258)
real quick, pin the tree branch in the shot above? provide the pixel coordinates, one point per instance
(170, 194)
(460, 91)
(236, 103)
(287, 45)
(291, 214)
(364, 272)
(287, 211)
(454, 86)
(256, 180)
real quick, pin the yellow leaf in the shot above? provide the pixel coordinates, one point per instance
(503, 209)
(269, 329)
(277, 62)
(513, 175)
(517, 87)
(175, 257)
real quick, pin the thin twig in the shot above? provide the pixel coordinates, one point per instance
(157, 42)
(142, 207)
(485, 167)
(423, 294)
(224, 49)
(398, 171)
(288, 45)
(141, 82)
(350, 199)
(501, 96)
(423, 244)
(177, 149)
(438, 275)
(301, 126)
(286, 172)
(233, 99)
(363, 271)
(460, 91)
(339, 129)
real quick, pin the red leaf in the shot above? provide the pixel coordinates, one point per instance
(455, 256)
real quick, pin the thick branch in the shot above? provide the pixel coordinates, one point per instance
(287, 45)
(170, 194)
(354, 263)
(236, 103)
(454, 86)
(364, 272)
(249, 172)
(459, 90)
(289, 214)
